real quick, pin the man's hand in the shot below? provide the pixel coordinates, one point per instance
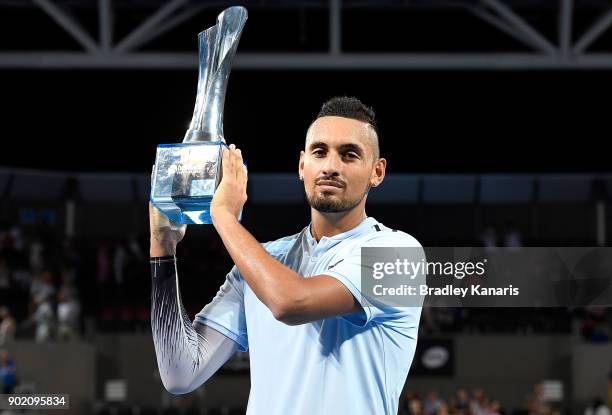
(231, 194)
(165, 234)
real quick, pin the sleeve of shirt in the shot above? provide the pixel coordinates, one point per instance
(347, 269)
(225, 313)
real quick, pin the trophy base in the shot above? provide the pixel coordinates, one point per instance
(184, 180)
(186, 213)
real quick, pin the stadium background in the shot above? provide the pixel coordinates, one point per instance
(489, 134)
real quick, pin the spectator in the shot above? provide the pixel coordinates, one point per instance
(536, 401)
(18, 241)
(538, 393)
(479, 403)
(42, 286)
(36, 256)
(68, 313)
(135, 248)
(495, 408)
(512, 236)
(462, 402)
(44, 317)
(442, 409)
(8, 326)
(594, 325)
(415, 407)
(597, 408)
(405, 399)
(489, 238)
(432, 404)
(7, 372)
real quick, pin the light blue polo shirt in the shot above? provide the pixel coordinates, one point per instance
(353, 364)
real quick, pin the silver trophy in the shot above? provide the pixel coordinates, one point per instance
(186, 175)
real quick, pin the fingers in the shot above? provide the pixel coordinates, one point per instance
(225, 163)
(241, 168)
(233, 165)
(158, 221)
(228, 162)
(151, 213)
(233, 160)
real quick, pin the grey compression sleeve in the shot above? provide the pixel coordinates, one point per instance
(187, 353)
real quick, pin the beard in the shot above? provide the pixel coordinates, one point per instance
(326, 203)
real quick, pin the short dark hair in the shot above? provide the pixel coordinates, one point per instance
(349, 107)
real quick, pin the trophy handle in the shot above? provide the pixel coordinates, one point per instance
(217, 47)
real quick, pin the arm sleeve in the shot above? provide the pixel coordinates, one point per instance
(187, 353)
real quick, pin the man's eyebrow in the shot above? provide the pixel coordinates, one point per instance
(342, 148)
(316, 144)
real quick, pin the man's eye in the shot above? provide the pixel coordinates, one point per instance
(318, 153)
(351, 155)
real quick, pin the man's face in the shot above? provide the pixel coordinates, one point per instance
(338, 165)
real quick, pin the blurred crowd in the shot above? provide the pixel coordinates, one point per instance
(462, 403)
(595, 324)
(53, 287)
(501, 320)
(509, 236)
(38, 286)
(536, 402)
(57, 288)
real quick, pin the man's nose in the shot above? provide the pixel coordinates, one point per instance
(332, 166)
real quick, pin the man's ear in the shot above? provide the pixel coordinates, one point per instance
(378, 172)
(301, 165)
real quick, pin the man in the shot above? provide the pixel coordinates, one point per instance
(318, 344)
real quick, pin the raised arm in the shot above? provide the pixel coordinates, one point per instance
(291, 298)
(187, 353)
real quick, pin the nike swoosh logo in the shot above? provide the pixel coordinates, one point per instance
(331, 266)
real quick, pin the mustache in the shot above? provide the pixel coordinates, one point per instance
(330, 179)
